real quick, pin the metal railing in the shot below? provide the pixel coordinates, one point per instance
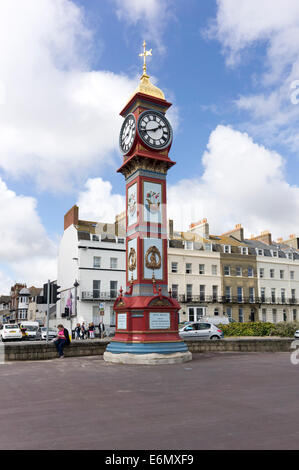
(97, 295)
(185, 298)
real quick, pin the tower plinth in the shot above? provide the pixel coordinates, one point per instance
(146, 313)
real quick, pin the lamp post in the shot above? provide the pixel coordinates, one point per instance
(76, 284)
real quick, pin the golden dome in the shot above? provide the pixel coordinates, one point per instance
(146, 87)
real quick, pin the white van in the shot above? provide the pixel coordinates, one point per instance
(216, 320)
(31, 328)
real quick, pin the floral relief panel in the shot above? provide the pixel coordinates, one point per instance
(132, 204)
(152, 202)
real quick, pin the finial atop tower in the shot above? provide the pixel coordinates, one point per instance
(144, 54)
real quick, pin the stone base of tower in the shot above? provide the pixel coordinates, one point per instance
(148, 359)
(147, 353)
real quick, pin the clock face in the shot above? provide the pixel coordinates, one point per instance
(154, 129)
(127, 133)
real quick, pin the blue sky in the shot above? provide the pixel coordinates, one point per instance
(68, 67)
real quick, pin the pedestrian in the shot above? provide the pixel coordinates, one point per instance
(77, 331)
(83, 331)
(62, 340)
(101, 329)
(91, 330)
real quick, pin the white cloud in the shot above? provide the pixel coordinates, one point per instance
(243, 182)
(27, 251)
(58, 118)
(152, 15)
(240, 25)
(98, 203)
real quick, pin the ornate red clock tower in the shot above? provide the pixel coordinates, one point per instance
(146, 314)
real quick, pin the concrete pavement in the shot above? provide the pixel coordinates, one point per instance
(217, 401)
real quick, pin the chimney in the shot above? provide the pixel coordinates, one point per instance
(237, 232)
(71, 217)
(170, 228)
(264, 237)
(201, 228)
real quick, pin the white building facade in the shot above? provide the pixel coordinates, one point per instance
(92, 257)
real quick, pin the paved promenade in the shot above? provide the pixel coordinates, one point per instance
(217, 401)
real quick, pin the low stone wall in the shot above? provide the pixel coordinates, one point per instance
(39, 350)
(241, 344)
(29, 351)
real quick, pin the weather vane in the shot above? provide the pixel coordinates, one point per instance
(144, 54)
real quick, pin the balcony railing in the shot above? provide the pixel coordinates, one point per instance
(97, 295)
(185, 298)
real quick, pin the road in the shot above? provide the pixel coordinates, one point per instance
(217, 401)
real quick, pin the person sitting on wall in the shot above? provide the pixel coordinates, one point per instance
(62, 340)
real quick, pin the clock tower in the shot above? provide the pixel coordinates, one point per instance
(146, 313)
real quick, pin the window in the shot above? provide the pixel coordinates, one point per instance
(238, 271)
(293, 295)
(174, 267)
(260, 252)
(196, 313)
(214, 269)
(274, 315)
(174, 290)
(227, 248)
(262, 272)
(281, 274)
(283, 295)
(188, 245)
(294, 314)
(292, 275)
(96, 262)
(250, 271)
(216, 312)
(96, 289)
(290, 255)
(229, 312)
(201, 269)
(188, 268)
(244, 251)
(272, 273)
(241, 315)
(284, 315)
(202, 290)
(264, 314)
(272, 295)
(226, 270)
(274, 253)
(121, 240)
(208, 247)
(240, 293)
(228, 293)
(95, 238)
(113, 263)
(251, 294)
(189, 292)
(215, 293)
(113, 289)
(263, 294)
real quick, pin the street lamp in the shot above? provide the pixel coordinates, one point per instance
(76, 284)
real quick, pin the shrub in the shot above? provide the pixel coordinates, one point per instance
(260, 329)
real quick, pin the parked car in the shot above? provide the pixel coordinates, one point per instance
(42, 333)
(30, 328)
(10, 332)
(201, 330)
(296, 335)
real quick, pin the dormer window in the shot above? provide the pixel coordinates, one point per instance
(260, 252)
(227, 249)
(275, 254)
(188, 245)
(244, 250)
